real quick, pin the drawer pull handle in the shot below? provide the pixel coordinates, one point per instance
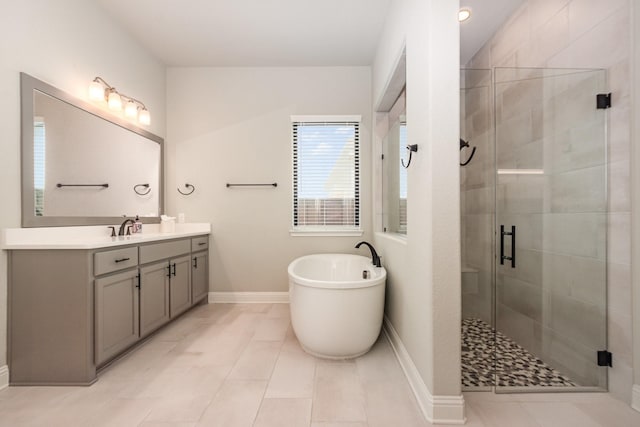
(122, 260)
(202, 243)
(174, 269)
(195, 262)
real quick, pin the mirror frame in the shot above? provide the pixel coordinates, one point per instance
(28, 85)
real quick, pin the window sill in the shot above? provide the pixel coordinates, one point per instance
(326, 233)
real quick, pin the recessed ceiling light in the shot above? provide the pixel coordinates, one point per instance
(464, 14)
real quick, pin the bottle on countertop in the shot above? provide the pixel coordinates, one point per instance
(137, 225)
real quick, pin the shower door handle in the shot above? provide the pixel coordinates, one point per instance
(511, 233)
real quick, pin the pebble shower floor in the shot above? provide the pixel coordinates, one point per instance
(513, 366)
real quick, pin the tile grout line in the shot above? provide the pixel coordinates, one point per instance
(264, 393)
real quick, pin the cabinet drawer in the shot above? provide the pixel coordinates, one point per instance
(158, 251)
(119, 259)
(199, 243)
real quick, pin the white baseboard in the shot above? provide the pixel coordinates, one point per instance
(635, 397)
(436, 409)
(4, 376)
(248, 297)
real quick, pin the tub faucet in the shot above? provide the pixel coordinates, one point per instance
(375, 258)
(124, 227)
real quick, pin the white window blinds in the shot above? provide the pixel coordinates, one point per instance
(402, 205)
(39, 146)
(326, 174)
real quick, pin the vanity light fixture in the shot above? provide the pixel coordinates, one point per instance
(144, 117)
(100, 90)
(114, 101)
(464, 14)
(131, 109)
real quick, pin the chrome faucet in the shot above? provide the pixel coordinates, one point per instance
(123, 227)
(375, 258)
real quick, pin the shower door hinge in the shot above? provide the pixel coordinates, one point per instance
(603, 101)
(605, 358)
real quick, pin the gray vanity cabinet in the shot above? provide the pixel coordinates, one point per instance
(174, 257)
(180, 284)
(72, 311)
(116, 314)
(154, 297)
(50, 318)
(199, 276)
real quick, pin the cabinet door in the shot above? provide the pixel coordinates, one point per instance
(116, 314)
(199, 276)
(154, 297)
(180, 291)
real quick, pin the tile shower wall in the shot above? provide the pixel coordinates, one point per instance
(582, 34)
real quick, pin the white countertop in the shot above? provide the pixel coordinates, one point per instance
(91, 237)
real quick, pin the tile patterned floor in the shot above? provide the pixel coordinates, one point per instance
(240, 365)
(226, 365)
(514, 366)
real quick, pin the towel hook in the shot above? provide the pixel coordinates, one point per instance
(187, 185)
(465, 144)
(412, 149)
(140, 193)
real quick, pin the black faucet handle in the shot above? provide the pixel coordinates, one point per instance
(128, 230)
(379, 261)
(113, 230)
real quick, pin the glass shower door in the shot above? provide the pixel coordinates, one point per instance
(551, 221)
(477, 215)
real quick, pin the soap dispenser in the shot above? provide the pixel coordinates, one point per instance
(137, 225)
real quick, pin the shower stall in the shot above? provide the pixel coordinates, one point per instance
(534, 229)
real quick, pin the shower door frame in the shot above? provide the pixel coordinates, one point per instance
(494, 144)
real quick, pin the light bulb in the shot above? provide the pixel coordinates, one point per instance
(131, 110)
(464, 14)
(144, 117)
(96, 91)
(115, 102)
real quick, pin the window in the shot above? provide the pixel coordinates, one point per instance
(402, 214)
(326, 174)
(38, 165)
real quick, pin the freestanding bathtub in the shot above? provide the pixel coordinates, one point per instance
(337, 303)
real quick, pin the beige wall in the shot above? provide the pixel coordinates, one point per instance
(635, 185)
(587, 34)
(233, 125)
(65, 43)
(423, 286)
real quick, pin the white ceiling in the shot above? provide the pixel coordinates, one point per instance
(254, 32)
(279, 32)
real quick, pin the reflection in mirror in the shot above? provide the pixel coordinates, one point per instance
(80, 167)
(395, 175)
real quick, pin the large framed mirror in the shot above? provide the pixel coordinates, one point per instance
(83, 166)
